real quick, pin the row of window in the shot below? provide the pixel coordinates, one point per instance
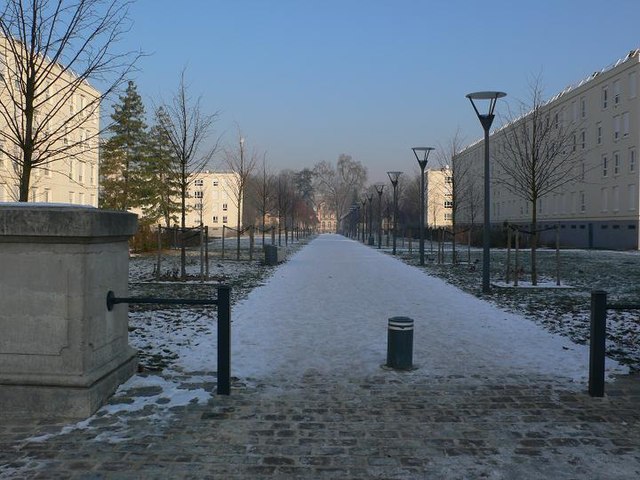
(45, 196)
(200, 183)
(616, 165)
(573, 202)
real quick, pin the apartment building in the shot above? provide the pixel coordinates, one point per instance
(213, 200)
(439, 197)
(73, 126)
(599, 206)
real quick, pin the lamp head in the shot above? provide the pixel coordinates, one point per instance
(422, 155)
(394, 176)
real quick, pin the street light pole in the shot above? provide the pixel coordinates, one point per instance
(486, 119)
(364, 219)
(422, 155)
(370, 198)
(379, 190)
(394, 176)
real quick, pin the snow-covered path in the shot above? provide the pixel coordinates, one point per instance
(325, 312)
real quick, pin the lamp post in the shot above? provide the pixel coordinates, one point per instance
(364, 219)
(486, 119)
(370, 198)
(422, 155)
(379, 190)
(394, 176)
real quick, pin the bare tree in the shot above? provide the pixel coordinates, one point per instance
(338, 186)
(187, 128)
(263, 194)
(49, 52)
(537, 156)
(456, 185)
(242, 166)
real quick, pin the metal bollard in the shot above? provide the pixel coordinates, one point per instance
(597, 347)
(400, 343)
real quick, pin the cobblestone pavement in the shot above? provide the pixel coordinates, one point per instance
(392, 425)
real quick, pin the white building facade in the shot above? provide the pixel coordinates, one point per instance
(599, 207)
(72, 175)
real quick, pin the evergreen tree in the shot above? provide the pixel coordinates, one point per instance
(161, 192)
(123, 154)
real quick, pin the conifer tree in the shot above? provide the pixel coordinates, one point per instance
(161, 192)
(123, 154)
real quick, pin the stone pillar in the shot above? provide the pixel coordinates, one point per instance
(62, 354)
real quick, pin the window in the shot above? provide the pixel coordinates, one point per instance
(34, 194)
(616, 92)
(47, 172)
(92, 177)
(604, 166)
(224, 219)
(199, 183)
(573, 147)
(599, 133)
(616, 127)
(70, 197)
(71, 169)
(448, 204)
(583, 107)
(625, 124)
(583, 204)
(583, 139)
(93, 200)
(215, 183)
(448, 179)
(632, 160)
(631, 195)
(633, 85)
(198, 206)
(447, 216)
(224, 207)
(197, 194)
(81, 172)
(47, 195)
(81, 198)
(215, 219)
(616, 163)
(615, 198)
(605, 96)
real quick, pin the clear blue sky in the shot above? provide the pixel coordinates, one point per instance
(307, 80)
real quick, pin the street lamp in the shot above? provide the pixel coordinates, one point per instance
(422, 155)
(379, 189)
(486, 119)
(364, 219)
(370, 198)
(394, 176)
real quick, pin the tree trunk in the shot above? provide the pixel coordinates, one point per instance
(534, 243)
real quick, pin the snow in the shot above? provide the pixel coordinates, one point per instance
(325, 313)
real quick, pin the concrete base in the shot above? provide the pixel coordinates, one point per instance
(64, 401)
(62, 352)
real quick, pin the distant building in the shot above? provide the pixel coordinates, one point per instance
(327, 221)
(72, 178)
(600, 207)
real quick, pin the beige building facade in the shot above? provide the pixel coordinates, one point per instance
(438, 197)
(213, 200)
(599, 207)
(71, 125)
